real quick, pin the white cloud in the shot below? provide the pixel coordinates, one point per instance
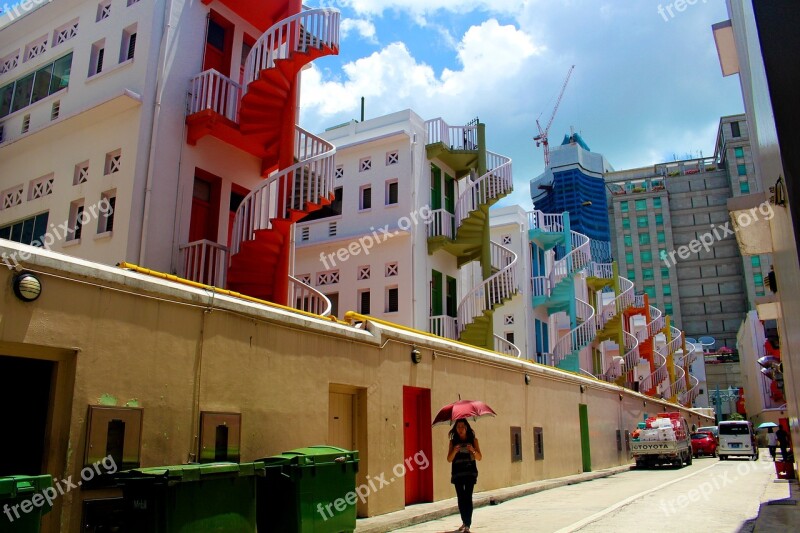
(418, 8)
(365, 28)
(392, 79)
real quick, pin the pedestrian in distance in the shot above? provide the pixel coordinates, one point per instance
(464, 452)
(783, 442)
(772, 443)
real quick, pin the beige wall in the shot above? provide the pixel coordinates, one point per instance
(174, 351)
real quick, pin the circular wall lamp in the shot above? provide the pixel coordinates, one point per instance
(27, 287)
(416, 356)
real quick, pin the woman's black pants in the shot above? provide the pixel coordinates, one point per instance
(464, 493)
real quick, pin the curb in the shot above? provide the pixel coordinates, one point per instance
(449, 507)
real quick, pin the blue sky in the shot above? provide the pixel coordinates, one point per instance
(647, 86)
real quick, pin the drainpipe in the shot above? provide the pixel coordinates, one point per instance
(157, 94)
(415, 233)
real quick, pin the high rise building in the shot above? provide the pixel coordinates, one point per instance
(573, 182)
(672, 238)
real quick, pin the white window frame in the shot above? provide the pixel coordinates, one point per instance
(41, 187)
(389, 184)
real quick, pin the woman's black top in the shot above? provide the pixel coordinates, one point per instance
(464, 467)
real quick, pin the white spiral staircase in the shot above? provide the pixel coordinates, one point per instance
(475, 309)
(263, 219)
(566, 349)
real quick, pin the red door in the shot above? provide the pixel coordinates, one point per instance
(237, 195)
(418, 453)
(205, 207)
(219, 38)
(200, 262)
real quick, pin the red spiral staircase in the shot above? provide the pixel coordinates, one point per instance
(259, 117)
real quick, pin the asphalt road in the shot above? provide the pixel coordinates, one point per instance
(709, 496)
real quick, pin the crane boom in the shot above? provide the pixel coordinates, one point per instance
(542, 139)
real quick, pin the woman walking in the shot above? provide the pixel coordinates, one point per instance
(772, 443)
(463, 452)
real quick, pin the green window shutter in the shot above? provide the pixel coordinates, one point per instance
(452, 301)
(449, 194)
(436, 293)
(436, 187)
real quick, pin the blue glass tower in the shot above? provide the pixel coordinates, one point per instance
(574, 183)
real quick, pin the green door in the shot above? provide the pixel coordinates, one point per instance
(452, 299)
(583, 413)
(436, 187)
(450, 200)
(436, 293)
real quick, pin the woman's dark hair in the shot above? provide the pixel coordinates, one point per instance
(470, 434)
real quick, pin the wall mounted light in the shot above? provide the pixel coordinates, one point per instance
(27, 287)
(416, 356)
(527, 379)
(620, 396)
(583, 389)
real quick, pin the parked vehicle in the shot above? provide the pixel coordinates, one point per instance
(736, 437)
(663, 440)
(704, 443)
(713, 429)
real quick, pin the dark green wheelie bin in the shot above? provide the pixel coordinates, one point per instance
(308, 490)
(22, 503)
(218, 497)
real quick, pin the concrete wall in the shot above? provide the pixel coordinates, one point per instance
(127, 339)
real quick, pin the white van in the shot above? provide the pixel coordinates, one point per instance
(736, 437)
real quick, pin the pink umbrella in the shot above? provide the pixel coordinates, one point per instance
(473, 409)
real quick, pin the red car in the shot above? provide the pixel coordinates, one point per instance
(704, 443)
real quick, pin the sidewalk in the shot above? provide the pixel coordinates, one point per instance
(425, 512)
(779, 512)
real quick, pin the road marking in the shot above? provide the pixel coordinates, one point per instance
(579, 524)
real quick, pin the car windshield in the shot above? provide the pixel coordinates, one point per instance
(697, 436)
(734, 429)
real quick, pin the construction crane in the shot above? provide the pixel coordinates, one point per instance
(541, 139)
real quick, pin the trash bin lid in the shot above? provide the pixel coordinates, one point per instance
(320, 454)
(11, 486)
(196, 472)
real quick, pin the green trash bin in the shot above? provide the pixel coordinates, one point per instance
(219, 497)
(308, 490)
(20, 512)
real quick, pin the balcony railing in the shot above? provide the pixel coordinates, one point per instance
(205, 262)
(211, 91)
(441, 223)
(551, 223)
(443, 326)
(454, 137)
